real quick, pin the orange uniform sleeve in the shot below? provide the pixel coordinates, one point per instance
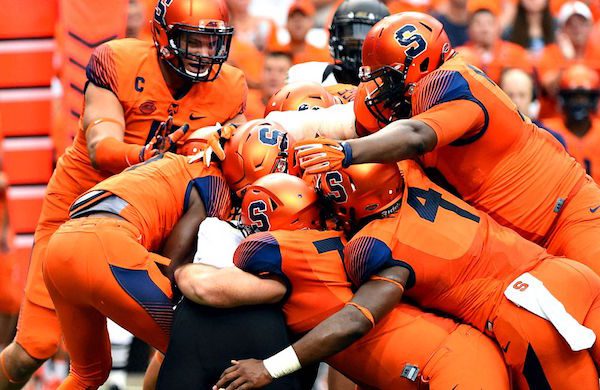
(101, 69)
(444, 101)
(454, 120)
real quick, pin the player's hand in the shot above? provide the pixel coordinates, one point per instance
(244, 374)
(321, 155)
(216, 136)
(163, 140)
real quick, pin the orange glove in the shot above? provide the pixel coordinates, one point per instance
(215, 139)
(322, 155)
(163, 141)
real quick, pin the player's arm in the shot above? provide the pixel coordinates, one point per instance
(371, 302)
(226, 287)
(181, 243)
(337, 121)
(400, 140)
(104, 126)
(237, 120)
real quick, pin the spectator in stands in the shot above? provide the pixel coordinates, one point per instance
(135, 19)
(578, 124)
(485, 49)
(521, 88)
(274, 73)
(594, 6)
(454, 15)
(300, 21)
(573, 45)
(533, 27)
(250, 39)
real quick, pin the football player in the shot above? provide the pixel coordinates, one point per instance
(445, 255)
(351, 22)
(292, 261)
(121, 224)
(256, 149)
(133, 86)
(464, 126)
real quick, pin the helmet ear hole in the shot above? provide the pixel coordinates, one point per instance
(273, 205)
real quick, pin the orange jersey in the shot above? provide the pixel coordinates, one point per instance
(344, 92)
(154, 195)
(586, 149)
(255, 108)
(316, 288)
(310, 263)
(496, 159)
(460, 260)
(130, 69)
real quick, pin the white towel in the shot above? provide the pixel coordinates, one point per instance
(530, 293)
(217, 242)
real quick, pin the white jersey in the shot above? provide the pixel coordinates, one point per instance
(316, 72)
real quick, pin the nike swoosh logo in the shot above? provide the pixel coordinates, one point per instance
(195, 118)
(593, 210)
(505, 349)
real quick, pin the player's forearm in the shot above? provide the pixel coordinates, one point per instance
(332, 336)
(226, 287)
(335, 122)
(400, 140)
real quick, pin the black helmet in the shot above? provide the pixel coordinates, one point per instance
(351, 22)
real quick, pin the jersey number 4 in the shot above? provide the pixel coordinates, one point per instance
(432, 201)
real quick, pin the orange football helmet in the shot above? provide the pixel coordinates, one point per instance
(280, 201)
(192, 36)
(300, 96)
(362, 191)
(366, 123)
(257, 148)
(399, 51)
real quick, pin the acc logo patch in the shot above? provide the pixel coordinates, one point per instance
(148, 107)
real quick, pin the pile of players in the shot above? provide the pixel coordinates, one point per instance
(425, 248)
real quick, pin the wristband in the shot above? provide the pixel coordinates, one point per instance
(282, 363)
(347, 154)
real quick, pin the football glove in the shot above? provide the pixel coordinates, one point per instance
(215, 139)
(322, 155)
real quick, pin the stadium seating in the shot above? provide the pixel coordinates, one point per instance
(24, 206)
(28, 160)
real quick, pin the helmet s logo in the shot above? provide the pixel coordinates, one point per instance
(161, 11)
(269, 136)
(256, 214)
(407, 36)
(336, 190)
